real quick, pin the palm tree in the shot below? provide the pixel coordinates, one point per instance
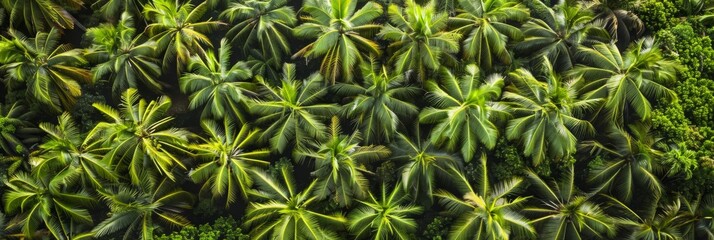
(140, 137)
(632, 165)
(46, 200)
(342, 35)
(264, 65)
(423, 164)
(623, 25)
(230, 161)
(123, 58)
(418, 38)
(264, 24)
(286, 213)
(381, 104)
(565, 213)
(487, 212)
(384, 218)
(138, 209)
(178, 29)
(216, 86)
(41, 15)
(697, 216)
(627, 80)
(486, 23)
(14, 123)
(559, 35)
(547, 114)
(52, 71)
(339, 164)
(67, 154)
(464, 110)
(110, 9)
(292, 109)
(654, 220)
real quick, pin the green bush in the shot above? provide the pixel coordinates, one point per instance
(656, 14)
(697, 99)
(223, 228)
(437, 229)
(692, 50)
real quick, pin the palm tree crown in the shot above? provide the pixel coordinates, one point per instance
(465, 110)
(341, 32)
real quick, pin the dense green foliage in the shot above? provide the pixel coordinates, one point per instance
(357, 119)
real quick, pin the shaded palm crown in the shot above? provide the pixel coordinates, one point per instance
(230, 160)
(419, 40)
(178, 29)
(52, 71)
(122, 57)
(266, 24)
(139, 209)
(46, 200)
(142, 143)
(67, 154)
(381, 104)
(217, 86)
(42, 15)
(385, 217)
(342, 35)
(285, 212)
(486, 25)
(559, 34)
(340, 164)
(564, 212)
(487, 211)
(628, 80)
(423, 164)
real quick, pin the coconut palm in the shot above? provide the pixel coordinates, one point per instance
(339, 164)
(697, 216)
(14, 124)
(178, 29)
(138, 209)
(41, 15)
(654, 220)
(558, 35)
(487, 25)
(264, 24)
(140, 137)
(66, 153)
(122, 58)
(110, 9)
(419, 40)
(632, 163)
(547, 114)
(216, 86)
(423, 163)
(465, 111)
(285, 212)
(486, 212)
(264, 65)
(342, 35)
(628, 80)
(230, 160)
(563, 212)
(51, 71)
(386, 217)
(381, 104)
(46, 201)
(623, 25)
(292, 109)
